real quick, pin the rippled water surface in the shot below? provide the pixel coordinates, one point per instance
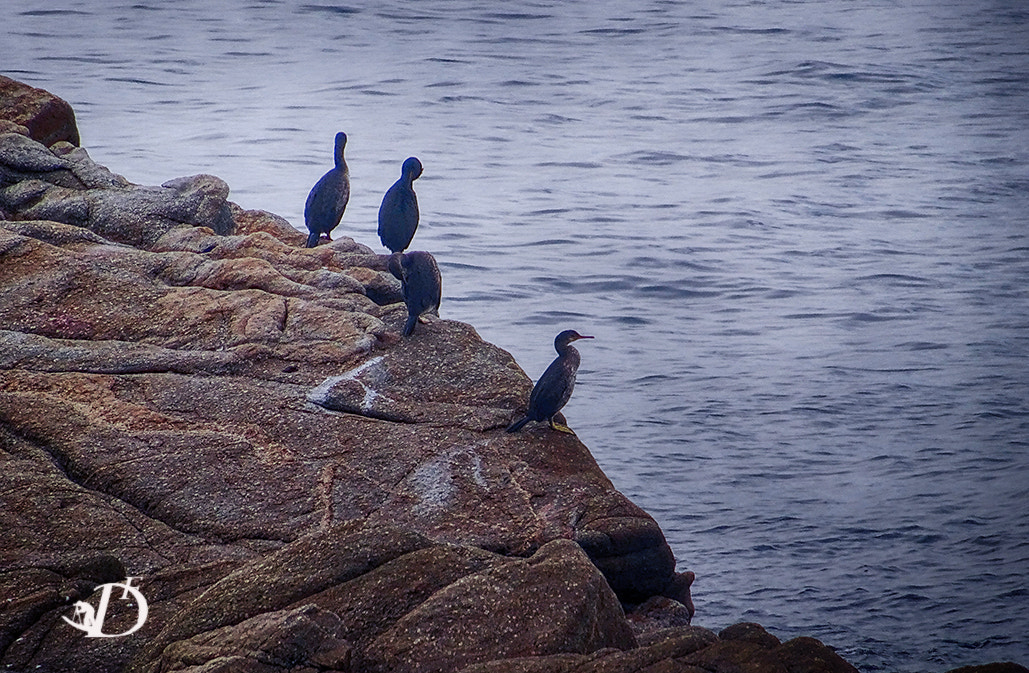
(798, 231)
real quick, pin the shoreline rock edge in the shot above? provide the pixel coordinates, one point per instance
(190, 397)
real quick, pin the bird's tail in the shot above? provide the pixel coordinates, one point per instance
(312, 239)
(517, 425)
(412, 320)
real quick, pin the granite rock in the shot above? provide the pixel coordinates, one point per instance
(189, 397)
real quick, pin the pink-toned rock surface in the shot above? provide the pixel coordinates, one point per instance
(190, 398)
(186, 395)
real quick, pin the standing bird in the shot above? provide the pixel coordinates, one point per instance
(422, 284)
(328, 199)
(398, 214)
(554, 388)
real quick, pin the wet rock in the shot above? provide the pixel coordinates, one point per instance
(997, 667)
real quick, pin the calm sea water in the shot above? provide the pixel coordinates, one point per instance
(798, 231)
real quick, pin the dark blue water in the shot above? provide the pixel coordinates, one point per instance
(798, 231)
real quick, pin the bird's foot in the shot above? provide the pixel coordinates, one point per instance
(560, 427)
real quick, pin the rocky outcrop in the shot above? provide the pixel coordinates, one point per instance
(190, 398)
(382, 599)
(64, 185)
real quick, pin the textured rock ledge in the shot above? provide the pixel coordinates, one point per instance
(189, 397)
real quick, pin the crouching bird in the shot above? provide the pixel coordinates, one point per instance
(421, 282)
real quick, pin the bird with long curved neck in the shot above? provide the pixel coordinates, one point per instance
(329, 197)
(398, 213)
(554, 388)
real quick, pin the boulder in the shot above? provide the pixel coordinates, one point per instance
(43, 116)
(65, 191)
(808, 655)
(750, 632)
(658, 613)
(996, 667)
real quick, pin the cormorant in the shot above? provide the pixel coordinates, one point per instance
(554, 388)
(328, 199)
(398, 214)
(419, 276)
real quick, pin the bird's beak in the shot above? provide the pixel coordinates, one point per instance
(582, 337)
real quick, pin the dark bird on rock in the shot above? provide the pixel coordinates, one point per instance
(419, 276)
(328, 199)
(554, 388)
(398, 214)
